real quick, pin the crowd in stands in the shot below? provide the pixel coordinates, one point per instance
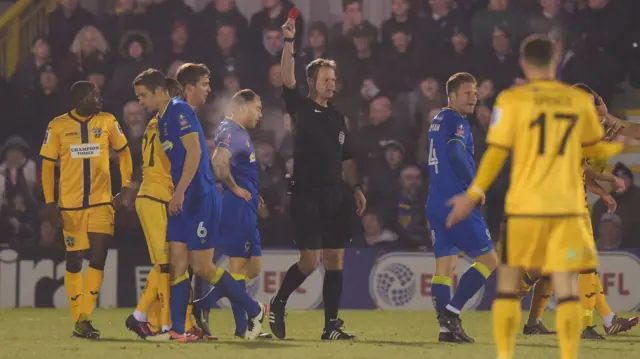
(391, 84)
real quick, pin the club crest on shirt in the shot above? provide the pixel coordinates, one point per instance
(97, 131)
(460, 130)
(70, 241)
(341, 138)
(183, 120)
(247, 143)
(495, 116)
(252, 157)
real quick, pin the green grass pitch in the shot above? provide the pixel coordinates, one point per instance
(46, 334)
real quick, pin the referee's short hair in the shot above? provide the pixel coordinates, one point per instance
(243, 97)
(190, 73)
(152, 79)
(457, 80)
(584, 87)
(537, 50)
(314, 67)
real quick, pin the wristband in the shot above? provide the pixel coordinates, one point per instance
(289, 39)
(475, 192)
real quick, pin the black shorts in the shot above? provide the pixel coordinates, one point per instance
(321, 217)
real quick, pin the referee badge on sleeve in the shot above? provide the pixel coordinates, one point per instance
(341, 138)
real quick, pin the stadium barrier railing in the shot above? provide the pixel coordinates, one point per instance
(23, 22)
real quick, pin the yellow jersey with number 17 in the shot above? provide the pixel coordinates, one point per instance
(156, 178)
(545, 124)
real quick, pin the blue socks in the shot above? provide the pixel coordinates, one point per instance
(179, 300)
(470, 283)
(441, 291)
(235, 292)
(239, 313)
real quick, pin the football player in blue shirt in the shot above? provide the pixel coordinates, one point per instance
(234, 163)
(194, 209)
(452, 168)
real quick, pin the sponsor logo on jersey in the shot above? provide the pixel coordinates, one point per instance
(85, 150)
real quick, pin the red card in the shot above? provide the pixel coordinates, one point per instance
(293, 13)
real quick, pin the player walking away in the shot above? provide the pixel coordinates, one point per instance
(544, 125)
(194, 208)
(319, 215)
(81, 140)
(234, 164)
(589, 283)
(452, 168)
(152, 313)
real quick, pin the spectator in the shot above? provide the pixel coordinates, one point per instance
(365, 62)
(25, 80)
(353, 22)
(273, 14)
(44, 104)
(89, 46)
(373, 137)
(64, 23)
(456, 57)
(9, 103)
(124, 18)
(609, 235)
(375, 234)
(172, 70)
(135, 122)
(159, 15)
(96, 74)
(501, 63)
(270, 54)
(385, 178)
(135, 48)
(405, 60)
(441, 24)
(227, 57)
(628, 208)
(499, 14)
(552, 18)
(19, 221)
(218, 13)
(180, 49)
(317, 48)
(402, 15)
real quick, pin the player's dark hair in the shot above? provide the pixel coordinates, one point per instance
(584, 87)
(537, 50)
(457, 80)
(79, 92)
(346, 3)
(190, 73)
(314, 67)
(244, 96)
(174, 88)
(152, 79)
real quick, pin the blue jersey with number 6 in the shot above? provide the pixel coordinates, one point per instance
(198, 225)
(451, 171)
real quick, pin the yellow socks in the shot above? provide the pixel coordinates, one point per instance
(163, 295)
(92, 283)
(73, 286)
(569, 327)
(506, 312)
(587, 290)
(602, 306)
(542, 292)
(150, 292)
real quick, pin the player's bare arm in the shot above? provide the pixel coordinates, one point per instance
(622, 127)
(125, 198)
(616, 182)
(350, 173)
(595, 188)
(221, 162)
(287, 63)
(191, 143)
(52, 212)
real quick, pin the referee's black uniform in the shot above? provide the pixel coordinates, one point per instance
(320, 211)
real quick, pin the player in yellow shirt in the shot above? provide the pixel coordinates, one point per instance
(544, 125)
(589, 284)
(152, 313)
(81, 140)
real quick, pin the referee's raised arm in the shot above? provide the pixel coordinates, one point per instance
(287, 63)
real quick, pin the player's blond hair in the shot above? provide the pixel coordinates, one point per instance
(314, 67)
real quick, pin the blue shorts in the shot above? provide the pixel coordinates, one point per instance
(239, 228)
(198, 225)
(470, 236)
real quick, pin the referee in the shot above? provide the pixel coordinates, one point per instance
(323, 153)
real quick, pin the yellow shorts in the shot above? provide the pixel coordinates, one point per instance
(76, 225)
(153, 218)
(550, 244)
